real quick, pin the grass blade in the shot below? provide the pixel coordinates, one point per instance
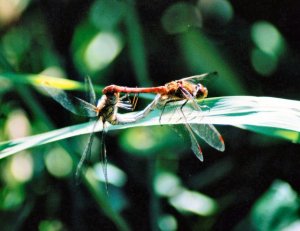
(40, 79)
(266, 115)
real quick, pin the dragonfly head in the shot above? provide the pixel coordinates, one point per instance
(107, 100)
(112, 98)
(201, 91)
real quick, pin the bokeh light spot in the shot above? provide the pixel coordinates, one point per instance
(11, 197)
(167, 223)
(194, 202)
(138, 140)
(267, 38)
(107, 14)
(179, 17)
(17, 125)
(276, 208)
(51, 225)
(143, 141)
(58, 163)
(167, 184)
(116, 176)
(219, 11)
(263, 63)
(102, 50)
(22, 167)
(11, 10)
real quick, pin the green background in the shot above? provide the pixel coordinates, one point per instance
(156, 181)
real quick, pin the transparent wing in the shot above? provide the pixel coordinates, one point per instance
(200, 78)
(90, 90)
(76, 105)
(195, 145)
(207, 132)
(86, 153)
(183, 130)
(172, 115)
(210, 135)
(104, 158)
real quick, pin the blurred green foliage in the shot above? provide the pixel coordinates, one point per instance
(155, 182)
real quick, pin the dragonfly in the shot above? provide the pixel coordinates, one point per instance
(105, 110)
(187, 89)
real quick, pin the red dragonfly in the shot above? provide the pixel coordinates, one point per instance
(105, 110)
(188, 90)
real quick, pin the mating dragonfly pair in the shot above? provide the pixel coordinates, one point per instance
(106, 110)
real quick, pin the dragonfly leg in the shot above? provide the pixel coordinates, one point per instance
(163, 109)
(134, 101)
(126, 103)
(181, 109)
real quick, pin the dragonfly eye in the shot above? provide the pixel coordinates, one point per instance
(201, 91)
(112, 97)
(109, 94)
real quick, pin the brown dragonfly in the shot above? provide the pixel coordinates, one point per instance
(105, 110)
(187, 90)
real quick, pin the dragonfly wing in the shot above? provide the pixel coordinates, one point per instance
(87, 151)
(207, 132)
(183, 131)
(195, 145)
(90, 90)
(104, 158)
(71, 103)
(199, 78)
(210, 135)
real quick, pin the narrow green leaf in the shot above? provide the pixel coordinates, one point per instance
(40, 79)
(60, 83)
(267, 115)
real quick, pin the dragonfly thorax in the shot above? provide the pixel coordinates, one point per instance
(200, 92)
(106, 107)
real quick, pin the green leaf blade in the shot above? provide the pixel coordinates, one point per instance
(266, 115)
